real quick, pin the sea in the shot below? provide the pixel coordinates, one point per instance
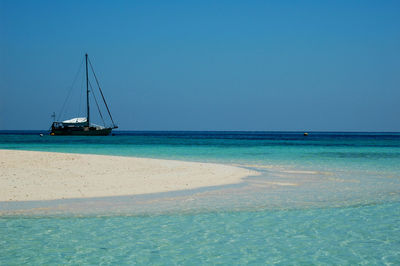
(329, 198)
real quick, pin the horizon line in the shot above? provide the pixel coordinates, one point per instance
(276, 131)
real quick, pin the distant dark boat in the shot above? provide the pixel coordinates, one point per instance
(82, 126)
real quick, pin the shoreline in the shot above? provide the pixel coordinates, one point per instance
(37, 175)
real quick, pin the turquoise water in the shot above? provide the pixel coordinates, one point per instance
(344, 208)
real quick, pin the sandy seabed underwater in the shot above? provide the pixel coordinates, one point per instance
(342, 207)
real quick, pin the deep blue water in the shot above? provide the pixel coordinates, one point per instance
(344, 208)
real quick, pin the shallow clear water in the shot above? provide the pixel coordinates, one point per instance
(342, 209)
(355, 235)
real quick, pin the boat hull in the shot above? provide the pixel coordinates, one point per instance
(71, 131)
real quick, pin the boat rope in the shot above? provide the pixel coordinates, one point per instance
(98, 108)
(80, 98)
(69, 92)
(101, 92)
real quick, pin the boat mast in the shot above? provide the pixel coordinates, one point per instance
(87, 93)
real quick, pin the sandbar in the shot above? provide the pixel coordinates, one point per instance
(33, 175)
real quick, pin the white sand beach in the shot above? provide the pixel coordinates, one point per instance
(31, 175)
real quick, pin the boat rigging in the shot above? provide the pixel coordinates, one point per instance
(82, 126)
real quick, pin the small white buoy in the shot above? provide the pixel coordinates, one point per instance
(41, 134)
(305, 134)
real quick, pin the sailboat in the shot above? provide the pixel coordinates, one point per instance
(82, 126)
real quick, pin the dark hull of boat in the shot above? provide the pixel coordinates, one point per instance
(79, 131)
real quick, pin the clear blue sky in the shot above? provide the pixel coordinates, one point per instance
(207, 65)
